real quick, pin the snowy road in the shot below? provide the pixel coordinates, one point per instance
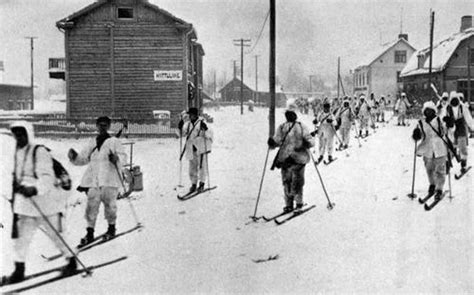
(375, 240)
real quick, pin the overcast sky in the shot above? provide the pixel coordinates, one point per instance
(311, 34)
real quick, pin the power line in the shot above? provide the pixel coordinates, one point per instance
(259, 34)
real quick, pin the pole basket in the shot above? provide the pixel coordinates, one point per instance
(412, 196)
(331, 206)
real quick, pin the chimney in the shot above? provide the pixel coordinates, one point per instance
(403, 36)
(466, 22)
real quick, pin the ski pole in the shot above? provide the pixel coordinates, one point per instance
(207, 162)
(45, 218)
(449, 183)
(180, 160)
(330, 205)
(132, 208)
(412, 195)
(261, 183)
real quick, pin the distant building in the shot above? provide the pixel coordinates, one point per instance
(449, 66)
(128, 58)
(15, 97)
(380, 72)
(231, 93)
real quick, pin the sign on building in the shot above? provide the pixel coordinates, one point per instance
(168, 75)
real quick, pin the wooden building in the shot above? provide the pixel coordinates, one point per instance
(380, 72)
(231, 93)
(128, 58)
(15, 97)
(453, 59)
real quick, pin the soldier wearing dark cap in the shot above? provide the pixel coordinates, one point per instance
(197, 148)
(105, 157)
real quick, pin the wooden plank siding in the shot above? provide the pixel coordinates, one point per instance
(111, 62)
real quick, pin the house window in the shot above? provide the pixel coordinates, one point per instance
(125, 13)
(400, 56)
(398, 77)
(471, 57)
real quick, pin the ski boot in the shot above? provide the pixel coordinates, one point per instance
(88, 238)
(17, 276)
(70, 268)
(110, 234)
(360, 133)
(319, 160)
(288, 209)
(431, 190)
(438, 195)
(201, 187)
(192, 189)
(298, 208)
(463, 166)
(346, 146)
(366, 133)
(330, 159)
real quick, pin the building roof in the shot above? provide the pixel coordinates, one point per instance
(263, 85)
(69, 20)
(375, 54)
(442, 52)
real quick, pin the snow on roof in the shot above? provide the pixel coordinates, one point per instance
(442, 52)
(379, 51)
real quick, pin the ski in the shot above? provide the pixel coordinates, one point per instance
(428, 207)
(60, 276)
(194, 194)
(98, 241)
(423, 200)
(267, 219)
(329, 162)
(296, 213)
(460, 175)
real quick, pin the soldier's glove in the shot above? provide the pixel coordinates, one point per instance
(417, 135)
(27, 191)
(113, 158)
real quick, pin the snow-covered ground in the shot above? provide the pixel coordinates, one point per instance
(375, 240)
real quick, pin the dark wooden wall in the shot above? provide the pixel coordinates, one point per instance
(111, 63)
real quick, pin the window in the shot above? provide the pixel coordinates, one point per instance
(125, 13)
(472, 56)
(400, 56)
(398, 77)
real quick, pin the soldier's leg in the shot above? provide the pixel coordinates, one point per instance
(109, 198)
(439, 172)
(298, 183)
(92, 207)
(193, 170)
(429, 166)
(27, 226)
(57, 220)
(286, 177)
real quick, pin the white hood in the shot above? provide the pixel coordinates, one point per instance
(29, 130)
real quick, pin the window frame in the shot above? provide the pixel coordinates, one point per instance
(400, 56)
(128, 8)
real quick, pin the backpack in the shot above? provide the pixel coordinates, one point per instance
(63, 179)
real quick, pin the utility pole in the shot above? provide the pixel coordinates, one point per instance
(215, 85)
(32, 74)
(469, 97)
(242, 43)
(310, 84)
(235, 68)
(256, 79)
(431, 46)
(272, 67)
(338, 75)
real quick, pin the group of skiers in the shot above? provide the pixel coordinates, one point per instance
(443, 134)
(39, 202)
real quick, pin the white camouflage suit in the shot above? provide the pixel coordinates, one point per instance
(101, 177)
(50, 199)
(346, 116)
(434, 151)
(197, 148)
(292, 159)
(326, 133)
